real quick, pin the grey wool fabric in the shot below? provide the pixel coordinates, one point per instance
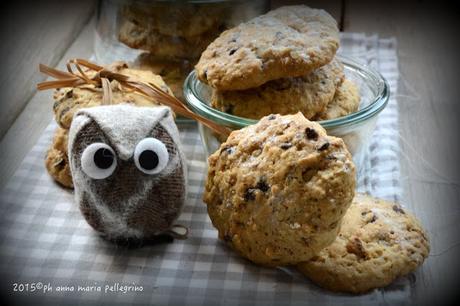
(127, 202)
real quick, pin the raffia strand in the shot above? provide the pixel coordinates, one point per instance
(103, 78)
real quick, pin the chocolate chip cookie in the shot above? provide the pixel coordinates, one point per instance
(57, 161)
(177, 19)
(277, 190)
(346, 101)
(165, 46)
(309, 94)
(378, 242)
(69, 100)
(290, 41)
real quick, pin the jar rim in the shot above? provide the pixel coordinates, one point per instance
(377, 104)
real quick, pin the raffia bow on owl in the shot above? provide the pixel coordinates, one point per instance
(93, 74)
(127, 165)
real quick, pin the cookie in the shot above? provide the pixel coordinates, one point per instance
(69, 100)
(277, 190)
(346, 101)
(290, 41)
(56, 160)
(378, 242)
(165, 46)
(172, 72)
(183, 20)
(307, 94)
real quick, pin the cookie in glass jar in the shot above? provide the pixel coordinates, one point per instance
(290, 41)
(309, 94)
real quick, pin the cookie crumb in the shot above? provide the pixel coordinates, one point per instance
(295, 225)
(285, 145)
(355, 246)
(398, 209)
(249, 195)
(263, 186)
(311, 134)
(373, 219)
(324, 146)
(228, 149)
(229, 109)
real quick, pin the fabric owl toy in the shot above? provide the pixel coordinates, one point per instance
(128, 169)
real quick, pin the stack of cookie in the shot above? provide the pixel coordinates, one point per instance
(174, 34)
(282, 192)
(173, 72)
(170, 31)
(282, 62)
(69, 100)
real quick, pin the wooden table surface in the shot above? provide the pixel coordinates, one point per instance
(428, 92)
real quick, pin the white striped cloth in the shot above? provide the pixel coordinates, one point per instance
(44, 240)
(382, 170)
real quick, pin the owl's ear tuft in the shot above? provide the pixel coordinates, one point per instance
(79, 121)
(165, 112)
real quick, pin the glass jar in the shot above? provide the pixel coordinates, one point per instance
(355, 129)
(166, 37)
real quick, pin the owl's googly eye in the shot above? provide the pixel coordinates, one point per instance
(151, 156)
(98, 161)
